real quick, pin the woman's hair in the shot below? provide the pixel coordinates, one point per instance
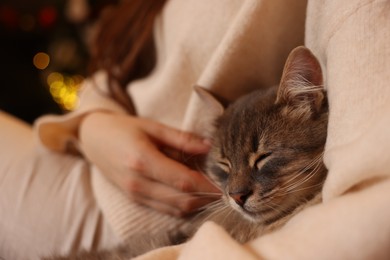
(124, 45)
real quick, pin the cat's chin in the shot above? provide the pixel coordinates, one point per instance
(254, 217)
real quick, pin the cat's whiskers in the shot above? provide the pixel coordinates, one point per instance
(270, 192)
(268, 198)
(211, 211)
(307, 167)
(295, 185)
(308, 177)
(301, 181)
(316, 162)
(227, 214)
(277, 210)
(301, 189)
(213, 205)
(213, 183)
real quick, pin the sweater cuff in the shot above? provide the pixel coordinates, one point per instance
(60, 132)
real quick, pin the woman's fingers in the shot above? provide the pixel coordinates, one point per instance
(182, 141)
(161, 168)
(164, 198)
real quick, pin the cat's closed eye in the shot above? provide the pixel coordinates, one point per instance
(261, 159)
(224, 165)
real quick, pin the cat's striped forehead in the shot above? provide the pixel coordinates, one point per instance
(244, 126)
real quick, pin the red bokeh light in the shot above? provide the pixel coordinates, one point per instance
(9, 17)
(47, 16)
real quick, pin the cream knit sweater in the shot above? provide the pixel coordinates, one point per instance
(232, 47)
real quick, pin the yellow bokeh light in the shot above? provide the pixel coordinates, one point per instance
(64, 89)
(53, 77)
(41, 60)
(70, 101)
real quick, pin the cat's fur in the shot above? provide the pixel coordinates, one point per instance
(266, 158)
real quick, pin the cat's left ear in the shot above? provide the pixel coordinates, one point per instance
(301, 87)
(214, 108)
(214, 105)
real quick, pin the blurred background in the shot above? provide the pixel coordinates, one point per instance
(44, 54)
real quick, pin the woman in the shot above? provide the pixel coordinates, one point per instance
(119, 164)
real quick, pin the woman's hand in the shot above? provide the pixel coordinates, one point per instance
(133, 153)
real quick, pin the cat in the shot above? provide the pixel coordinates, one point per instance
(266, 158)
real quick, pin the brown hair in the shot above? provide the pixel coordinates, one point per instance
(124, 45)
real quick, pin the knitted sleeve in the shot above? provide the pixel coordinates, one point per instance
(60, 132)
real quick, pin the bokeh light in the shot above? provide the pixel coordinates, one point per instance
(47, 16)
(64, 89)
(41, 60)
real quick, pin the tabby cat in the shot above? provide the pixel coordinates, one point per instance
(266, 157)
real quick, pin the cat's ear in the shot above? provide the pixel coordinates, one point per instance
(215, 106)
(211, 108)
(301, 87)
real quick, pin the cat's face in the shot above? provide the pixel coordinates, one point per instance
(267, 152)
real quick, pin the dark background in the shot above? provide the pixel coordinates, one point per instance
(58, 28)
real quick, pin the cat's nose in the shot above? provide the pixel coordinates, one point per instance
(240, 197)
